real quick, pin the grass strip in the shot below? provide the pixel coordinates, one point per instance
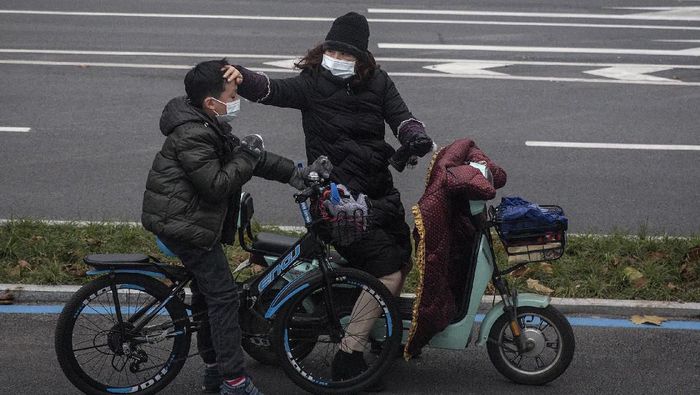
(617, 266)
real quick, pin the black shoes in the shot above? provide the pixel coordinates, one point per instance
(211, 381)
(347, 366)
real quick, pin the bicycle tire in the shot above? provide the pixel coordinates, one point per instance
(346, 286)
(81, 305)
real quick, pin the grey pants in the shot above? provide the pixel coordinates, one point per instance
(215, 304)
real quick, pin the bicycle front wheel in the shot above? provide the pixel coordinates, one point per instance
(356, 311)
(98, 347)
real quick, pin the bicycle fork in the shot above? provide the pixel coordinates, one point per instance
(336, 331)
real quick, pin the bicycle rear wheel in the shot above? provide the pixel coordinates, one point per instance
(101, 353)
(307, 337)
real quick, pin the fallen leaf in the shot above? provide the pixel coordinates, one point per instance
(75, 270)
(632, 274)
(546, 267)
(37, 238)
(93, 242)
(535, 285)
(23, 264)
(672, 286)
(520, 272)
(490, 289)
(647, 319)
(257, 269)
(83, 66)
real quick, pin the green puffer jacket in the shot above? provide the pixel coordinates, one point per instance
(194, 186)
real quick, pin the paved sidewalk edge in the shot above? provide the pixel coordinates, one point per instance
(29, 293)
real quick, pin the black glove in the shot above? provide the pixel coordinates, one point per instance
(417, 141)
(253, 146)
(321, 166)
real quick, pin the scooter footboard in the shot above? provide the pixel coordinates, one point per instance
(524, 299)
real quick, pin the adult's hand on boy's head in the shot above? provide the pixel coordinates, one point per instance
(232, 74)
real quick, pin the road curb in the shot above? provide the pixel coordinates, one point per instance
(29, 293)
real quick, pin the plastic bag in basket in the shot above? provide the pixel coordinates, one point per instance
(516, 215)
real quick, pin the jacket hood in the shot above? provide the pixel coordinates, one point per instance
(179, 111)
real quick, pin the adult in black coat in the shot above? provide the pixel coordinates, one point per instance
(345, 100)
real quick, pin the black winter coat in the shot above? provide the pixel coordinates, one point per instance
(194, 186)
(346, 124)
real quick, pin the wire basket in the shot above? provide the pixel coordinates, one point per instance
(346, 229)
(528, 240)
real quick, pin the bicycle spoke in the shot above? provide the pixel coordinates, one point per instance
(90, 348)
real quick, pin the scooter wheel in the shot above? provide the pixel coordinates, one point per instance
(550, 346)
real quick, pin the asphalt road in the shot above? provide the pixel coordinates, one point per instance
(93, 109)
(607, 361)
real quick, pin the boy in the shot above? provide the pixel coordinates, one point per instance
(191, 201)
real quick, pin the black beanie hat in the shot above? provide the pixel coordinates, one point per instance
(349, 32)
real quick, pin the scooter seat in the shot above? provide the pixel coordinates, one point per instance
(114, 259)
(274, 244)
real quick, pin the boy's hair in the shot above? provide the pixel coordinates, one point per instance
(204, 80)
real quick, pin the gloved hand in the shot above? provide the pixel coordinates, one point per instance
(348, 205)
(253, 142)
(322, 166)
(253, 146)
(416, 140)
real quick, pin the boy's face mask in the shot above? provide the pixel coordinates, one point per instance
(337, 67)
(232, 110)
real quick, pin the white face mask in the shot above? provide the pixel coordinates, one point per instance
(232, 110)
(337, 67)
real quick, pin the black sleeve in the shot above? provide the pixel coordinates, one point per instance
(213, 181)
(284, 92)
(274, 167)
(395, 110)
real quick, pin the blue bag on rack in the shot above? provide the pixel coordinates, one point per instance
(517, 216)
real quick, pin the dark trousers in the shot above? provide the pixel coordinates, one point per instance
(215, 304)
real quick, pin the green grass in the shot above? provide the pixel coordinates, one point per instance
(616, 267)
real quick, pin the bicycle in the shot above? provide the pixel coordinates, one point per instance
(128, 330)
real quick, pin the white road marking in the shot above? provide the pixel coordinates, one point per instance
(287, 58)
(285, 64)
(397, 74)
(544, 79)
(14, 129)
(463, 68)
(630, 73)
(562, 144)
(125, 65)
(672, 13)
(322, 19)
(508, 48)
(158, 15)
(680, 41)
(141, 53)
(685, 14)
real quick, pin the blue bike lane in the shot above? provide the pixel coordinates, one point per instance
(575, 320)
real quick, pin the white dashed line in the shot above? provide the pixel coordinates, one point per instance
(563, 144)
(14, 129)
